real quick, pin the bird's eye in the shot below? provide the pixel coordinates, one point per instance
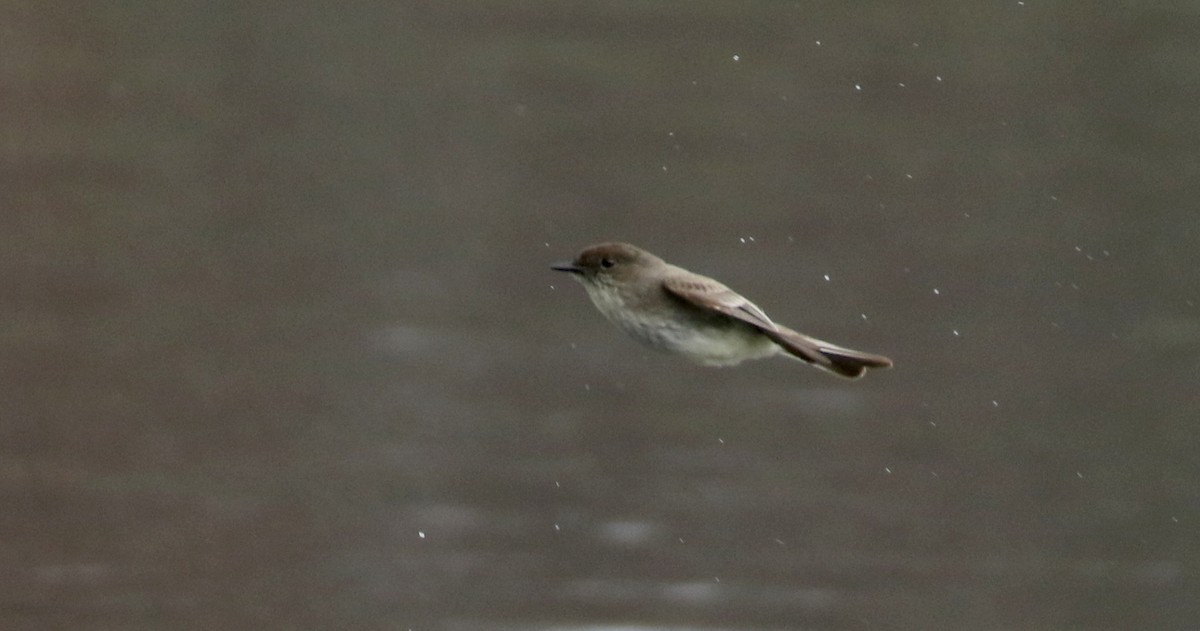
(607, 263)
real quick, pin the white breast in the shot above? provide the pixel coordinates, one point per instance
(699, 342)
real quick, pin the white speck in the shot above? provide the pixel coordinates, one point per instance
(908, 175)
(858, 87)
(902, 85)
(864, 316)
(887, 469)
(1104, 252)
(737, 57)
(671, 133)
(421, 534)
(827, 277)
(939, 77)
(551, 287)
(818, 42)
(557, 485)
(1078, 249)
(721, 440)
(1020, 4)
(1079, 475)
(780, 542)
(915, 45)
(681, 540)
(664, 167)
(742, 239)
(966, 215)
(546, 244)
(956, 333)
(933, 473)
(1175, 519)
(717, 579)
(1054, 197)
(932, 424)
(557, 528)
(995, 403)
(937, 292)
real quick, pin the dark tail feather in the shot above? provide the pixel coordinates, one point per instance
(840, 361)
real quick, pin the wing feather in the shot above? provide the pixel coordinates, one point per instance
(708, 294)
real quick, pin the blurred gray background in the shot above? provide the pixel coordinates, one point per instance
(280, 349)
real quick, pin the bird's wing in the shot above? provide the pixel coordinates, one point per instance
(707, 294)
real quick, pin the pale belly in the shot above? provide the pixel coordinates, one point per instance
(710, 346)
(708, 341)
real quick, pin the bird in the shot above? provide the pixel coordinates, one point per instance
(671, 309)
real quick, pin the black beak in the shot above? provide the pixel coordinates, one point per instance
(566, 266)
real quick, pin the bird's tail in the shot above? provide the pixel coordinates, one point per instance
(840, 361)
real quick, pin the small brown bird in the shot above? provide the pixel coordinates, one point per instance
(671, 309)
